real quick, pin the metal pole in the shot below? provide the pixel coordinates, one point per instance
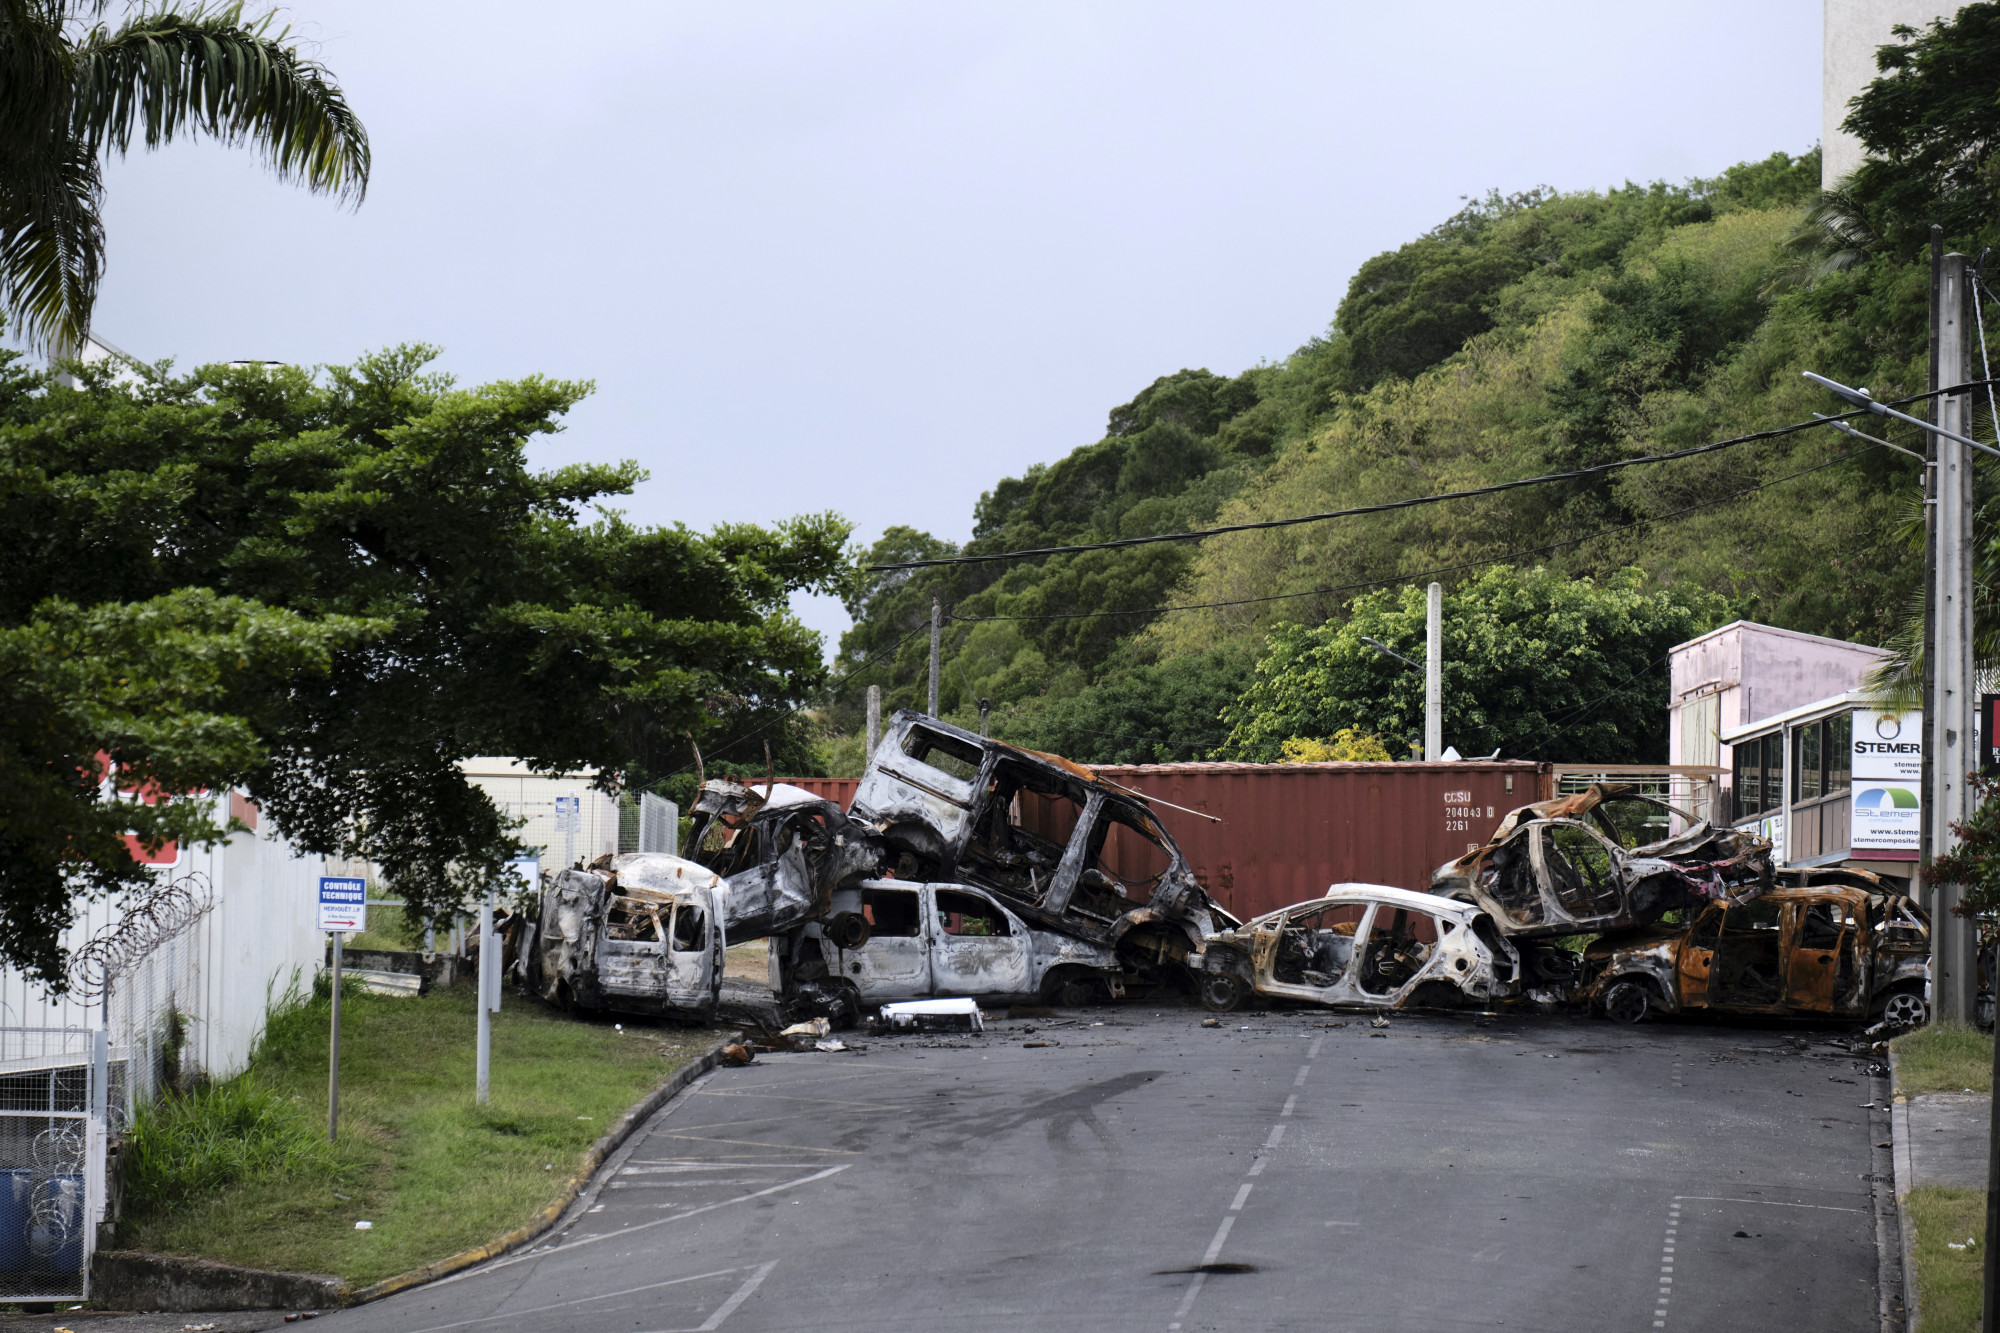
(1949, 734)
(937, 638)
(874, 720)
(485, 1058)
(1434, 674)
(1926, 815)
(985, 707)
(333, 1051)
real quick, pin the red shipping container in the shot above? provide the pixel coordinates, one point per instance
(1290, 830)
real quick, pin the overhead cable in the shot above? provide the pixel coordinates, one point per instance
(1413, 502)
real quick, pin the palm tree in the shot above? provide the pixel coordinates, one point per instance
(74, 90)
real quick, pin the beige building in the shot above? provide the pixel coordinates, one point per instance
(1853, 30)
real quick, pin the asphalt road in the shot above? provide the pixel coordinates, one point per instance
(1526, 1173)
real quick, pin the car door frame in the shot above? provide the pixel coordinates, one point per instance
(943, 944)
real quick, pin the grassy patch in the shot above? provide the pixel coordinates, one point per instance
(1943, 1057)
(748, 962)
(240, 1172)
(1948, 1280)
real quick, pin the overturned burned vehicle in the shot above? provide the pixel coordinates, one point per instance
(1091, 890)
(1587, 863)
(1364, 946)
(1831, 942)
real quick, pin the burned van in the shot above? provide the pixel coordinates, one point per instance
(636, 934)
(926, 940)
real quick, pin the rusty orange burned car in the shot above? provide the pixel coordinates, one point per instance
(1849, 950)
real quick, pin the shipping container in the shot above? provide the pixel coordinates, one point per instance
(1287, 831)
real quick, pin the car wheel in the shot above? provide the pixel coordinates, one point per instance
(1904, 1009)
(1628, 1001)
(1074, 993)
(848, 930)
(1221, 992)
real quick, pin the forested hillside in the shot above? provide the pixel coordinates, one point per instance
(1529, 333)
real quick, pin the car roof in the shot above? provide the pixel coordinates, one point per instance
(1422, 902)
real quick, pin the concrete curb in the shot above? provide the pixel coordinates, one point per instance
(609, 1143)
(140, 1281)
(1899, 1136)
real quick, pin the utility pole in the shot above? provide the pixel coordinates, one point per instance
(1948, 729)
(874, 720)
(937, 639)
(1434, 675)
(483, 1070)
(1926, 816)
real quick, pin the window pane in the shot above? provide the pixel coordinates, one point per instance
(1774, 771)
(892, 911)
(1747, 779)
(1839, 746)
(1806, 762)
(968, 914)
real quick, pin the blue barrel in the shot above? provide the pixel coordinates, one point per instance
(17, 1189)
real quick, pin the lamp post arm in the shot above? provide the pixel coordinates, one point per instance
(1859, 398)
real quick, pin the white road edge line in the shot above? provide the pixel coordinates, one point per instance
(642, 1226)
(714, 1321)
(564, 1305)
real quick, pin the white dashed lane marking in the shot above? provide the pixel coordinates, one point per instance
(1257, 1166)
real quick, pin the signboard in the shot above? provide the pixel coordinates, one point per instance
(569, 814)
(1888, 763)
(1989, 736)
(343, 904)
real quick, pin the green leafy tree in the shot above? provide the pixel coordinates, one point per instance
(407, 592)
(74, 89)
(1535, 666)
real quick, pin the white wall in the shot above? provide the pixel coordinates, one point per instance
(1852, 31)
(532, 796)
(223, 973)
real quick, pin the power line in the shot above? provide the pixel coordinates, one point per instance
(1500, 559)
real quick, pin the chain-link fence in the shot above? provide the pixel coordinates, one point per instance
(54, 1086)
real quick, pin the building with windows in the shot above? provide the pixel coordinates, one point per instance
(1807, 755)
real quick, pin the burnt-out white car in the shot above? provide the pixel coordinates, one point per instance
(640, 933)
(947, 939)
(1363, 946)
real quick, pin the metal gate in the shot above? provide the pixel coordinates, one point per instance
(55, 1088)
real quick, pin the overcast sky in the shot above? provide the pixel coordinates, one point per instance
(873, 257)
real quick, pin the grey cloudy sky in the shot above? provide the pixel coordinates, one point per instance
(873, 257)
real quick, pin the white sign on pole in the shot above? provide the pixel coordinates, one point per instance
(569, 814)
(343, 904)
(1888, 760)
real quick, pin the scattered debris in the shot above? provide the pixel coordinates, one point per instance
(364, 1226)
(736, 1053)
(1211, 1022)
(1037, 1045)
(959, 1015)
(1379, 1021)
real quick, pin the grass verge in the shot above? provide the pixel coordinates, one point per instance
(1944, 1057)
(1948, 1280)
(240, 1172)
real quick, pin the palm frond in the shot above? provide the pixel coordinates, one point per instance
(51, 243)
(166, 72)
(1834, 235)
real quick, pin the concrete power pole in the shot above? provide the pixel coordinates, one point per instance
(874, 720)
(1434, 675)
(937, 638)
(1948, 731)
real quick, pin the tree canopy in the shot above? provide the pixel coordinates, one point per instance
(331, 588)
(1535, 666)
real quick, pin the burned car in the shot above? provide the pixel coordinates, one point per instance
(943, 939)
(1832, 942)
(1364, 946)
(1584, 864)
(639, 934)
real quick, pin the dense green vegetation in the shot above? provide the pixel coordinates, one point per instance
(1529, 333)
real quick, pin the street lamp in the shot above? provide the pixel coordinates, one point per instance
(1387, 651)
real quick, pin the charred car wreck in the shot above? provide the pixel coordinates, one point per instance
(964, 867)
(1362, 946)
(1583, 864)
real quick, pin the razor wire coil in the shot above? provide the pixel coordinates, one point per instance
(149, 921)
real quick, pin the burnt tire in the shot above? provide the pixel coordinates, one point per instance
(1222, 992)
(1903, 1010)
(849, 930)
(1627, 1000)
